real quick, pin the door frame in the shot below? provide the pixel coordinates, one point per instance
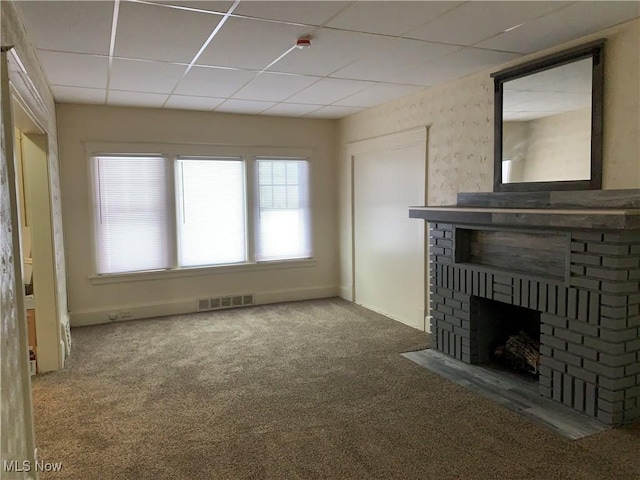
(360, 147)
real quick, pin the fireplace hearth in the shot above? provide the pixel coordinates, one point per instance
(564, 269)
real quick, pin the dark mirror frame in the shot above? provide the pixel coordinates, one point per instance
(594, 50)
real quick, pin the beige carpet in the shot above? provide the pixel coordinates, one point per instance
(313, 389)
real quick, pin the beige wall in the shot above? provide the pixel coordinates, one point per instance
(459, 116)
(79, 124)
(557, 147)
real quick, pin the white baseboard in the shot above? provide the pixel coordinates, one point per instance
(346, 292)
(427, 324)
(95, 317)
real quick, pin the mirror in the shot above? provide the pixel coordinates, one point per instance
(548, 122)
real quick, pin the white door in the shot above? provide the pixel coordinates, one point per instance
(389, 251)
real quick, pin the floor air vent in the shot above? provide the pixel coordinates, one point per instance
(215, 303)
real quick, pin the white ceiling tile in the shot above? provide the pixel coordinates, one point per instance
(377, 94)
(213, 82)
(291, 109)
(153, 32)
(459, 64)
(333, 112)
(389, 18)
(575, 77)
(330, 50)
(142, 76)
(193, 103)
(329, 90)
(579, 19)
(136, 99)
(211, 6)
(252, 44)
(273, 87)
(82, 27)
(74, 70)
(477, 21)
(244, 106)
(398, 55)
(309, 12)
(78, 94)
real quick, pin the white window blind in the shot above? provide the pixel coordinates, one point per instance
(133, 226)
(211, 211)
(283, 226)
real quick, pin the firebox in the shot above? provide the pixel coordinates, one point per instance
(505, 335)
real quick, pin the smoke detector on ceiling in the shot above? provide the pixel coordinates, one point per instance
(303, 42)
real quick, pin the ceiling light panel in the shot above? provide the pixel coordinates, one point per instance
(143, 76)
(81, 27)
(477, 21)
(377, 94)
(74, 70)
(213, 82)
(389, 18)
(309, 12)
(328, 91)
(251, 44)
(153, 32)
(244, 106)
(580, 18)
(78, 94)
(136, 99)
(273, 87)
(331, 50)
(399, 55)
(193, 103)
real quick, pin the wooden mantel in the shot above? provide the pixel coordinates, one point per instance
(586, 210)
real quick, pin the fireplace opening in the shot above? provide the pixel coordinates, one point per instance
(505, 336)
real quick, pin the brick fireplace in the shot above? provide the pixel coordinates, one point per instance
(574, 267)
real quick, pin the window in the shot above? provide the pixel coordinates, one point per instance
(166, 212)
(283, 209)
(211, 211)
(132, 214)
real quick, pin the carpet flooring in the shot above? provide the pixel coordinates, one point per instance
(302, 390)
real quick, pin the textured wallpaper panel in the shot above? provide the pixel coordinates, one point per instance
(459, 116)
(13, 33)
(13, 414)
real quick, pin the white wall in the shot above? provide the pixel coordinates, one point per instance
(90, 303)
(459, 115)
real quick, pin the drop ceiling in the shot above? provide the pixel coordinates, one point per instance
(240, 57)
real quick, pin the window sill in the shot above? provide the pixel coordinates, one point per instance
(198, 271)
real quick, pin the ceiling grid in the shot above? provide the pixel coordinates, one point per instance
(240, 56)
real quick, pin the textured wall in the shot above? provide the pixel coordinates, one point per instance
(15, 409)
(459, 115)
(13, 33)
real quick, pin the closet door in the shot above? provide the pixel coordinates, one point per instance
(389, 250)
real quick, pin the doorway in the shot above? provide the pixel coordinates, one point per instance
(30, 146)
